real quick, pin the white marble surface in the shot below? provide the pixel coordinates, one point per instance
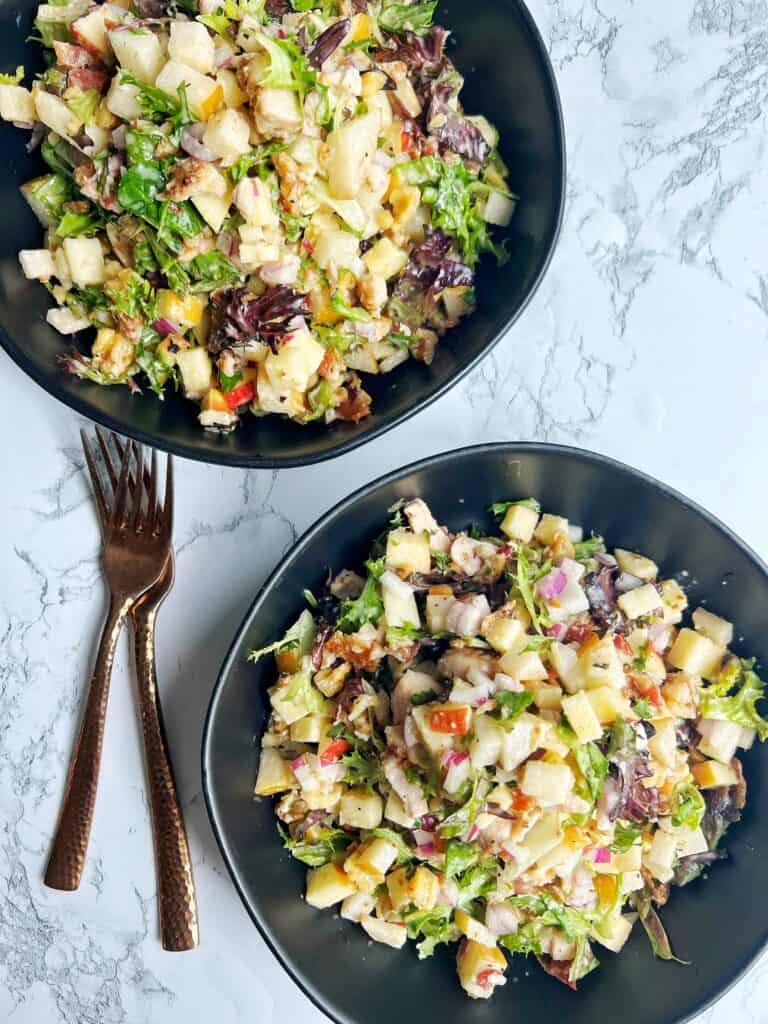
(647, 341)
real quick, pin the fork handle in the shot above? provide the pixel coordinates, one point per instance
(177, 904)
(70, 844)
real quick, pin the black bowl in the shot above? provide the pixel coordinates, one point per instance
(718, 924)
(509, 78)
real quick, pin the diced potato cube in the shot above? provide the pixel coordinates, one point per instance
(385, 259)
(582, 717)
(435, 742)
(527, 665)
(17, 104)
(323, 799)
(640, 602)
(696, 654)
(718, 630)
(485, 744)
(420, 889)
(710, 774)
(277, 112)
(395, 812)
(195, 367)
(327, 886)
(55, 114)
(360, 808)
(227, 134)
(213, 209)
(474, 929)
(506, 635)
(85, 259)
(296, 361)
(191, 44)
(499, 209)
(369, 863)
(545, 835)
(550, 528)
(122, 100)
(473, 960)
(607, 703)
(408, 551)
(356, 905)
(519, 523)
(350, 153)
(565, 661)
(675, 601)
(719, 739)
(661, 856)
(390, 933)
(275, 773)
(600, 665)
(615, 931)
(517, 743)
(547, 696)
(37, 264)
(636, 565)
(663, 743)
(310, 729)
(139, 52)
(399, 600)
(550, 784)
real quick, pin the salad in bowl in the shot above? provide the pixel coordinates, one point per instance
(255, 201)
(512, 744)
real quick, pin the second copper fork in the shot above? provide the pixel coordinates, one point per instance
(177, 906)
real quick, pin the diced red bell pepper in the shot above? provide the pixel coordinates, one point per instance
(454, 720)
(622, 644)
(578, 633)
(240, 395)
(521, 801)
(334, 750)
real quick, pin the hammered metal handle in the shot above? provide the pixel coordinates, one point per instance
(70, 844)
(175, 885)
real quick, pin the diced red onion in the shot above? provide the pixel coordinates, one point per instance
(573, 570)
(281, 272)
(602, 855)
(557, 630)
(504, 682)
(223, 57)
(300, 762)
(421, 837)
(604, 559)
(118, 136)
(428, 822)
(464, 617)
(552, 585)
(659, 635)
(448, 894)
(164, 327)
(383, 159)
(190, 143)
(454, 757)
(501, 918)
(297, 324)
(426, 850)
(625, 582)
(472, 834)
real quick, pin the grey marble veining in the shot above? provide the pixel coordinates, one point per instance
(647, 341)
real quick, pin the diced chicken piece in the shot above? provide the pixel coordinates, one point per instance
(277, 113)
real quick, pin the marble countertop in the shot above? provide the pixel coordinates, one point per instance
(647, 341)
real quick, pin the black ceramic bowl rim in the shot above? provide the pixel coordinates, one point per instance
(248, 461)
(305, 541)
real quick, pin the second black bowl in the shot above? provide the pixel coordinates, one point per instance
(508, 78)
(719, 924)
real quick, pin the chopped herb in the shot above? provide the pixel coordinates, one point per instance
(499, 508)
(625, 836)
(512, 705)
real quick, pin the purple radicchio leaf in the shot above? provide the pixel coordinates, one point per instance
(328, 42)
(414, 50)
(654, 929)
(278, 8)
(237, 316)
(601, 594)
(151, 8)
(690, 867)
(431, 270)
(560, 969)
(458, 134)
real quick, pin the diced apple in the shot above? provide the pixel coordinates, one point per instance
(419, 889)
(607, 703)
(519, 741)
(675, 601)
(631, 881)
(437, 608)
(711, 774)
(395, 812)
(399, 600)
(582, 717)
(545, 835)
(204, 94)
(227, 134)
(474, 929)
(640, 602)
(615, 931)
(719, 739)
(327, 885)
(680, 695)
(191, 44)
(565, 661)
(506, 635)
(65, 321)
(233, 95)
(550, 528)
(37, 264)
(122, 100)
(408, 551)
(360, 808)
(550, 784)
(311, 728)
(718, 630)
(356, 905)
(485, 744)
(390, 933)
(696, 654)
(17, 104)
(85, 260)
(434, 741)
(195, 368)
(499, 209)
(369, 863)
(636, 565)
(339, 248)
(600, 665)
(55, 114)
(661, 856)
(525, 666)
(547, 696)
(275, 774)
(663, 743)
(213, 209)
(630, 860)
(475, 961)
(385, 258)
(350, 153)
(139, 52)
(296, 361)
(277, 113)
(519, 523)
(90, 32)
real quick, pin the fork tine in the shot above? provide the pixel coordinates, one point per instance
(138, 493)
(105, 453)
(153, 509)
(166, 519)
(119, 511)
(98, 490)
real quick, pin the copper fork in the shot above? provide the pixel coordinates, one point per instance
(136, 550)
(177, 906)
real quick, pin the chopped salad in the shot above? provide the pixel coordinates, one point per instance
(255, 201)
(512, 743)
